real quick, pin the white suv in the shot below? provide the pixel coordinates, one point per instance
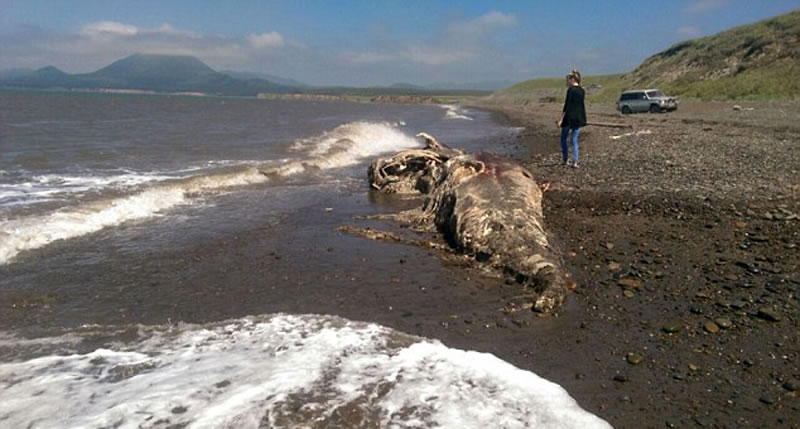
(645, 100)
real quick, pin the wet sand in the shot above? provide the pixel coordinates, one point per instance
(658, 249)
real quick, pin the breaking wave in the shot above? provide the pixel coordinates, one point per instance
(279, 371)
(456, 112)
(345, 145)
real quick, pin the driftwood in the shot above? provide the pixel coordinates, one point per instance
(609, 125)
(486, 206)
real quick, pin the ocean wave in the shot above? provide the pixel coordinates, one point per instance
(32, 232)
(345, 145)
(279, 371)
(30, 189)
(456, 112)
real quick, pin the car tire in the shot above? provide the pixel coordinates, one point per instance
(654, 108)
(626, 110)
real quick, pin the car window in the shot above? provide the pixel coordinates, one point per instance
(654, 94)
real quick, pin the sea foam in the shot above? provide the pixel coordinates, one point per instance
(345, 145)
(281, 371)
(455, 112)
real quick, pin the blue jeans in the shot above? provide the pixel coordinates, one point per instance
(575, 133)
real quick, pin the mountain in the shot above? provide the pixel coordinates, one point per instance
(755, 61)
(264, 76)
(14, 73)
(163, 73)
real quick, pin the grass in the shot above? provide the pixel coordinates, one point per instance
(759, 61)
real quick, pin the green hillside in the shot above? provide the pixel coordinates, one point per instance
(756, 61)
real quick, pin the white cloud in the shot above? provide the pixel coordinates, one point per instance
(688, 31)
(119, 29)
(482, 25)
(111, 28)
(272, 39)
(699, 6)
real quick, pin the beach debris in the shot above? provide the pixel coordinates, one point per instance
(610, 125)
(633, 133)
(488, 208)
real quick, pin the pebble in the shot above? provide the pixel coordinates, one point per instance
(621, 378)
(769, 314)
(702, 420)
(634, 358)
(614, 266)
(628, 293)
(693, 367)
(711, 327)
(768, 399)
(672, 327)
(738, 304)
(723, 322)
(630, 283)
(791, 385)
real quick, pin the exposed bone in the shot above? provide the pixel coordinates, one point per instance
(486, 206)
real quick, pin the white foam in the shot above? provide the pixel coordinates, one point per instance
(346, 145)
(455, 112)
(32, 232)
(282, 371)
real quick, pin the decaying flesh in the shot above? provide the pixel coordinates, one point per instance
(486, 206)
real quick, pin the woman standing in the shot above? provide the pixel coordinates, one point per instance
(573, 117)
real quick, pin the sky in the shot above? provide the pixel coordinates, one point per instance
(363, 43)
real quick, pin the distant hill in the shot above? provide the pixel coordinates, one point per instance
(406, 85)
(162, 73)
(760, 60)
(756, 61)
(488, 85)
(264, 76)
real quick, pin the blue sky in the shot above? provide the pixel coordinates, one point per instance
(365, 42)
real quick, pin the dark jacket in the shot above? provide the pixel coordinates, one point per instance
(574, 109)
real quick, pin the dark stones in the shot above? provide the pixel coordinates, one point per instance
(769, 314)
